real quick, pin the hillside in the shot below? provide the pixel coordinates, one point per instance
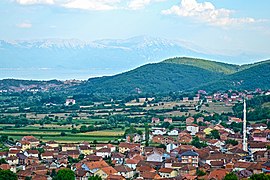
(172, 75)
(182, 74)
(257, 76)
(47, 59)
(205, 64)
(213, 65)
(157, 78)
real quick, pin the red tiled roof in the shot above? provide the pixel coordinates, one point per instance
(150, 175)
(109, 170)
(96, 164)
(5, 166)
(165, 170)
(131, 161)
(122, 168)
(115, 177)
(218, 174)
(129, 145)
(104, 150)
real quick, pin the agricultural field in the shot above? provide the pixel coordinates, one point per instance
(55, 126)
(53, 131)
(170, 105)
(115, 132)
(217, 107)
(266, 105)
(68, 137)
(178, 113)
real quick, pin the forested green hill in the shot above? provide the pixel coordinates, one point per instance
(182, 74)
(171, 75)
(157, 78)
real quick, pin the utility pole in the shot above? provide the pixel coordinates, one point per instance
(245, 126)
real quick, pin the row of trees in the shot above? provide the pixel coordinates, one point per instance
(62, 174)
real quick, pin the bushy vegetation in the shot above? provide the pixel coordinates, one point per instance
(160, 77)
(247, 79)
(256, 110)
(65, 174)
(7, 175)
(182, 75)
(205, 64)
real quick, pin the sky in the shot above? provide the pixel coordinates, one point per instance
(223, 26)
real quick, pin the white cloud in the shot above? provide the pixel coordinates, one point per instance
(92, 4)
(98, 5)
(24, 25)
(29, 2)
(206, 12)
(140, 4)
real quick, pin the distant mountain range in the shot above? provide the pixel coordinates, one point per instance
(107, 56)
(182, 74)
(171, 75)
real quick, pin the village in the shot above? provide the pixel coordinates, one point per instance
(219, 152)
(200, 136)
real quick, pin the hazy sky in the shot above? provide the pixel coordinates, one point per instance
(220, 25)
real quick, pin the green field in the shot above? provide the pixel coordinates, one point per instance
(68, 139)
(90, 121)
(217, 107)
(54, 133)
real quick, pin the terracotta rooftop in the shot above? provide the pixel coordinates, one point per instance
(96, 164)
(150, 175)
(115, 177)
(108, 170)
(218, 174)
(122, 168)
(165, 170)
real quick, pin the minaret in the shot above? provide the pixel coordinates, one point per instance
(245, 127)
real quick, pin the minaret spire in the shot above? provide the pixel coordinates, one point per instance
(245, 127)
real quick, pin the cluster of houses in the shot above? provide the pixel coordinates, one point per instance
(228, 98)
(33, 86)
(177, 158)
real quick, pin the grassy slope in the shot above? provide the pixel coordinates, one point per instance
(181, 74)
(159, 77)
(205, 64)
(175, 74)
(256, 76)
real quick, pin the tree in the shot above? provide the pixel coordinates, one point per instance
(165, 125)
(215, 134)
(3, 161)
(200, 173)
(53, 174)
(69, 120)
(232, 142)
(7, 175)
(95, 178)
(63, 133)
(83, 128)
(72, 160)
(3, 138)
(40, 150)
(81, 156)
(146, 134)
(163, 146)
(197, 143)
(65, 174)
(74, 131)
(231, 176)
(261, 176)
(171, 127)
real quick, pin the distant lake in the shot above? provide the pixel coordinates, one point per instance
(54, 73)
